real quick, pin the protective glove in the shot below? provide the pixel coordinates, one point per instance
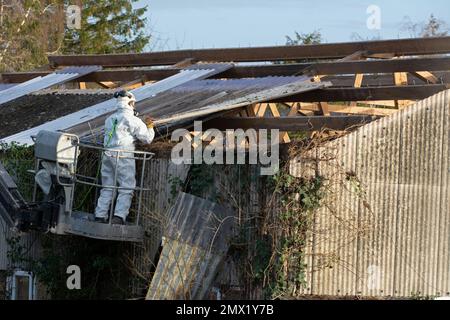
(149, 122)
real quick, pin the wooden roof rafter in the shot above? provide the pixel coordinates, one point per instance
(396, 47)
(412, 65)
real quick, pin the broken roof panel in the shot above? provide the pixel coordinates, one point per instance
(198, 71)
(202, 229)
(204, 100)
(295, 86)
(39, 83)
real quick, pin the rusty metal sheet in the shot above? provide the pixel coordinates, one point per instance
(38, 83)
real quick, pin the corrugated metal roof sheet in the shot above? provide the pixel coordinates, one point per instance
(57, 77)
(236, 84)
(248, 95)
(141, 93)
(385, 224)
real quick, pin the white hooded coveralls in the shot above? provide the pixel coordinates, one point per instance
(122, 129)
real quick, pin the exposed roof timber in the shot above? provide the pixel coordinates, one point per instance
(100, 109)
(382, 66)
(379, 80)
(39, 83)
(323, 68)
(176, 110)
(336, 80)
(416, 46)
(299, 123)
(346, 109)
(380, 88)
(416, 92)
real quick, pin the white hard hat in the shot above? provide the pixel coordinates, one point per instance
(125, 94)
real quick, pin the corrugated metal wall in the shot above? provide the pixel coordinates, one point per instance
(384, 229)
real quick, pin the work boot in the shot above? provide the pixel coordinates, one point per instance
(117, 220)
(101, 220)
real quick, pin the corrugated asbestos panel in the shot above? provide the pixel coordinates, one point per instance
(236, 84)
(384, 227)
(206, 99)
(196, 241)
(163, 178)
(141, 93)
(4, 86)
(30, 242)
(57, 77)
(184, 272)
(246, 97)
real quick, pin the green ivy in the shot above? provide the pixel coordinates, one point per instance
(299, 198)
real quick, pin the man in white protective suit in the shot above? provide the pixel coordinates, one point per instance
(122, 130)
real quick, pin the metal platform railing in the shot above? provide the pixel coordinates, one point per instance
(140, 159)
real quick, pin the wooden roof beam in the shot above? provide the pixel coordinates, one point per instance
(324, 68)
(397, 47)
(417, 92)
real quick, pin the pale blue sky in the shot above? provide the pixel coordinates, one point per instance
(184, 24)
